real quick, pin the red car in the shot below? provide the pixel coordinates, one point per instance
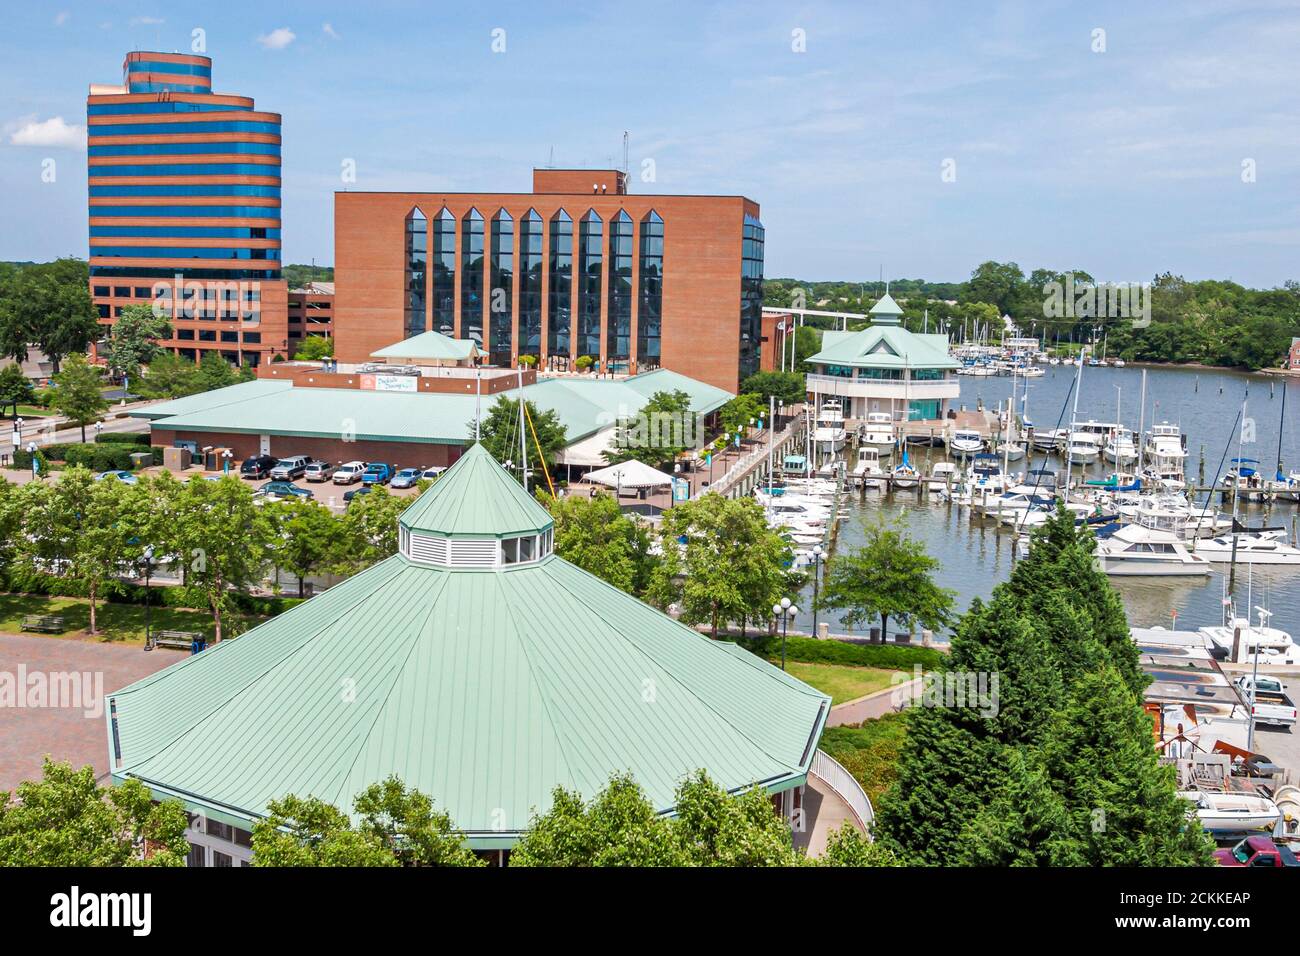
(1256, 851)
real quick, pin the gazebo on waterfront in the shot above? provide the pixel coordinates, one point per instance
(478, 667)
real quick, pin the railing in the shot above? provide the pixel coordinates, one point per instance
(756, 457)
(829, 770)
(949, 387)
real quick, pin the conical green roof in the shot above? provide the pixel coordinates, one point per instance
(476, 497)
(484, 690)
(885, 310)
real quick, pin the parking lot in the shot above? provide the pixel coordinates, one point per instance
(326, 492)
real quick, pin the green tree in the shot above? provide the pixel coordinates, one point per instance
(663, 429)
(396, 827)
(169, 376)
(77, 394)
(309, 538)
(65, 819)
(223, 538)
(48, 305)
(15, 387)
(133, 340)
(596, 536)
(500, 435)
(736, 415)
(215, 372)
(722, 563)
(891, 575)
(785, 387)
(848, 847)
(370, 527)
(314, 348)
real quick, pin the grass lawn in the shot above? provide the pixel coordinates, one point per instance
(118, 623)
(870, 751)
(841, 681)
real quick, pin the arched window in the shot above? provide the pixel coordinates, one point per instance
(590, 262)
(471, 277)
(443, 254)
(417, 256)
(559, 306)
(501, 291)
(649, 323)
(530, 284)
(618, 334)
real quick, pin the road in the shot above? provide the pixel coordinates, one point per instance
(1282, 745)
(37, 430)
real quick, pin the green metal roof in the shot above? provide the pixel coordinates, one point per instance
(483, 689)
(584, 406)
(884, 346)
(886, 307)
(476, 497)
(429, 345)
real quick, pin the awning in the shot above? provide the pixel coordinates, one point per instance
(629, 474)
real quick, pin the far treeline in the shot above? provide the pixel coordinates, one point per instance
(1211, 322)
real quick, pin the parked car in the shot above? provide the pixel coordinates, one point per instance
(1271, 705)
(287, 469)
(406, 478)
(349, 473)
(432, 472)
(283, 489)
(1256, 851)
(259, 466)
(349, 495)
(377, 473)
(319, 471)
(123, 476)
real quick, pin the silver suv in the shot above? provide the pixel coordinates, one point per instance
(320, 471)
(287, 469)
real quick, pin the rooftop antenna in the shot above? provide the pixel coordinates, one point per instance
(624, 152)
(478, 405)
(550, 162)
(523, 435)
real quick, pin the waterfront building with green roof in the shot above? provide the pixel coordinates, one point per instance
(886, 368)
(478, 667)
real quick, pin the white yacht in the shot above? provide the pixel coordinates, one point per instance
(1251, 548)
(879, 433)
(867, 472)
(1232, 813)
(1274, 644)
(965, 442)
(1121, 447)
(1049, 439)
(943, 476)
(828, 435)
(1153, 546)
(1083, 447)
(1164, 451)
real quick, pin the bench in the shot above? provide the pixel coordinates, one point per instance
(49, 623)
(177, 640)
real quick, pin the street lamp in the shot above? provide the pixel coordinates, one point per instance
(99, 427)
(784, 612)
(225, 461)
(818, 553)
(147, 556)
(31, 452)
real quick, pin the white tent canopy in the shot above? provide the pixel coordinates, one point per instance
(629, 474)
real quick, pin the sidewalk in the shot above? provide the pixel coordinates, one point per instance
(873, 705)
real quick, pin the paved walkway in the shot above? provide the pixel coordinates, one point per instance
(824, 812)
(76, 732)
(873, 705)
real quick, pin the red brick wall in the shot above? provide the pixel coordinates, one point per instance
(399, 454)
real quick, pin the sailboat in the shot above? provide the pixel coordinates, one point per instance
(905, 476)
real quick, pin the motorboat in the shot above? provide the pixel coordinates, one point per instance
(1010, 451)
(794, 465)
(1152, 547)
(1231, 813)
(828, 434)
(866, 471)
(1033, 371)
(878, 432)
(965, 442)
(1237, 634)
(1121, 448)
(1083, 447)
(1120, 363)
(943, 476)
(1049, 439)
(1037, 481)
(830, 469)
(1250, 548)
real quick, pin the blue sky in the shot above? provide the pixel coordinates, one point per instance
(1125, 163)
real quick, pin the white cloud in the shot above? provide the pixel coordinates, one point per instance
(146, 21)
(53, 132)
(328, 30)
(277, 39)
(61, 18)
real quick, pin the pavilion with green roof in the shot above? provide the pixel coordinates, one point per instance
(886, 368)
(475, 665)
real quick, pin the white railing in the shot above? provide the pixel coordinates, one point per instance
(949, 387)
(829, 770)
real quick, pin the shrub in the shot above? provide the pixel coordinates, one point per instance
(583, 363)
(893, 656)
(122, 438)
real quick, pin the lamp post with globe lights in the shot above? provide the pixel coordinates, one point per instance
(784, 612)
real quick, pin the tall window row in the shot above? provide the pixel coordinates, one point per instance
(559, 312)
(618, 338)
(649, 322)
(751, 296)
(489, 252)
(443, 255)
(471, 278)
(502, 288)
(417, 246)
(530, 284)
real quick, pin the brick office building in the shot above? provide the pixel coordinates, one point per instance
(578, 267)
(184, 201)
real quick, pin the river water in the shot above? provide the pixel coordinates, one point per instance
(1204, 402)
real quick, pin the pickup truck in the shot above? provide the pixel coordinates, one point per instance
(1256, 851)
(377, 473)
(1269, 702)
